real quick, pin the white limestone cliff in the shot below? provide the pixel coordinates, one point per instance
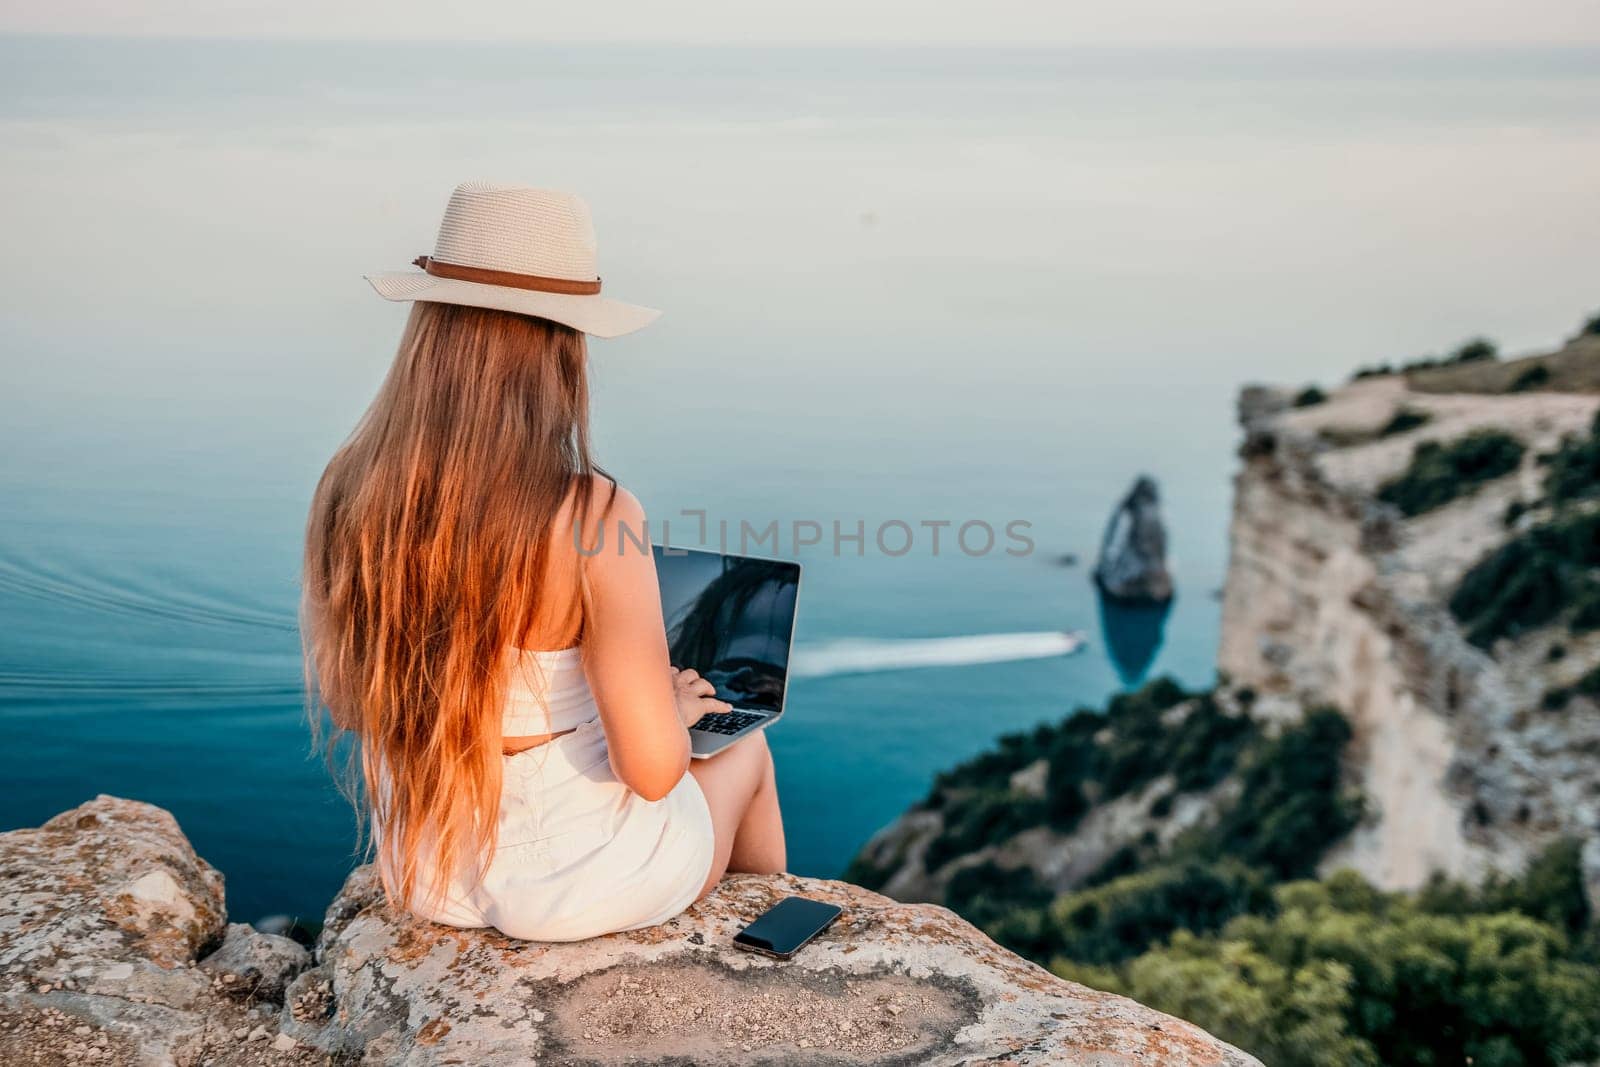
(1334, 598)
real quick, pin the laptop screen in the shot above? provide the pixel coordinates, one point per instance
(732, 619)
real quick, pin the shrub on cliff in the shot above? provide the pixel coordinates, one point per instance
(1158, 730)
(986, 893)
(1530, 378)
(1198, 749)
(1380, 978)
(1572, 472)
(1439, 473)
(1474, 351)
(1121, 918)
(1532, 580)
(983, 817)
(1550, 890)
(1293, 805)
(1549, 572)
(1404, 421)
(1288, 1014)
(1560, 697)
(992, 768)
(1290, 809)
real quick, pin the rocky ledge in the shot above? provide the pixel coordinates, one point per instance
(114, 948)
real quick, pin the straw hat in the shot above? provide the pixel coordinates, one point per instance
(519, 249)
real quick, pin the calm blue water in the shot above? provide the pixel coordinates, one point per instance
(914, 286)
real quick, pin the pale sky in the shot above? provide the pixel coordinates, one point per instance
(1368, 23)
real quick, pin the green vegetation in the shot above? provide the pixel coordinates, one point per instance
(987, 893)
(1476, 350)
(1532, 377)
(1141, 736)
(1290, 807)
(865, 873)
(1588, 685)
(1116, 921)
(1337, 972)
(1198, 749)
(1439, 473)
(1572, 472)
(1537, 577)
(1550, 890)
(1220, 924)
(1546, 574)
(1592, 327)
(1404, 421)
(982, 817)
(1309, 397)
(1373, 370)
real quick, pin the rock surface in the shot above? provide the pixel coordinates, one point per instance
(114, 950)
(1132, 566)
(254, 965)
(887, 984)
(106, 911)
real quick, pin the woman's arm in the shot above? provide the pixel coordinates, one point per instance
(625, 641)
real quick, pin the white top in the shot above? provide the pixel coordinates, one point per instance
(547, 693)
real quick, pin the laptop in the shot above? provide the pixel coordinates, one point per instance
(731, 618)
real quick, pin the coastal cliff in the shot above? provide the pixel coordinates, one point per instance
(1399, 760)
(1469, 758)
(1335, 595)
(115, 949)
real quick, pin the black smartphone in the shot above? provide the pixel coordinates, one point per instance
(787, 927)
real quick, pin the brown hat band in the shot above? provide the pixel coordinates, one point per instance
(507, 278)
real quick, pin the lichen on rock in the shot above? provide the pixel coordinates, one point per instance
(888, 983)
(114, 950)
(253, 965)
(107, 912)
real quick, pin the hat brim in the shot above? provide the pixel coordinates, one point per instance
(595, 315)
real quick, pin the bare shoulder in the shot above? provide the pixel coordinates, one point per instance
(612, 502)
(611, 509)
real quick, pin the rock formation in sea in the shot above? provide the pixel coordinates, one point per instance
(115, 949)
(1132, 566)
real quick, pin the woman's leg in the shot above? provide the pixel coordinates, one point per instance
(742, 793)
(758, 846)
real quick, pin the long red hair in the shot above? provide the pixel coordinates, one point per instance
(428, 539)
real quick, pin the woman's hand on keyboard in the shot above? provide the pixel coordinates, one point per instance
(696, 697)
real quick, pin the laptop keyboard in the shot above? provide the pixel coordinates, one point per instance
(726, 722)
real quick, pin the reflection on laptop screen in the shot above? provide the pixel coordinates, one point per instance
(730, 618)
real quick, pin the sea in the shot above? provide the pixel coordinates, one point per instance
(906, 292)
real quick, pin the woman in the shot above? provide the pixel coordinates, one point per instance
(523, 739)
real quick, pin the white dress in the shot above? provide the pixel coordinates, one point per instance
(579, 854)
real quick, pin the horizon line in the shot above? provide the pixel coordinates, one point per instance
(1396, 48)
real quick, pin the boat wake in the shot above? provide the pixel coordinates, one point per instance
(871, 655)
